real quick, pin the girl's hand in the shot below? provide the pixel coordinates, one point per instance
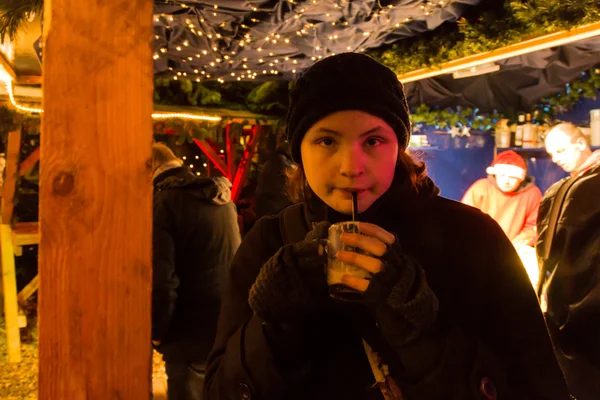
(375, 242)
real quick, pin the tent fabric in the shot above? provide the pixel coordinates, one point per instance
(519, 84)
(225, 39)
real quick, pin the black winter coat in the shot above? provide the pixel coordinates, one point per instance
(569, 250)
(194, 240)
(488, 325)
(271, 195)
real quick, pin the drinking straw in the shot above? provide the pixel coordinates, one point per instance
(354, 206)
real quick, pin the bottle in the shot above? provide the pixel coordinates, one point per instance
(528, 132)
(502, 134)
(519, 131)
(535, 129)
(595, 127)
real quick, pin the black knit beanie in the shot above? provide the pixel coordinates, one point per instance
(347, 81)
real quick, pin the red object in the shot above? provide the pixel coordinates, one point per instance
(508, 163)
(510, 157)
(242, 170)
(515, 212)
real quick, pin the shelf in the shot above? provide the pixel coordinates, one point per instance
(423, 148)
(522, 149)
(532, 149)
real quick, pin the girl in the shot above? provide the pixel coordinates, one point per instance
(448, 312)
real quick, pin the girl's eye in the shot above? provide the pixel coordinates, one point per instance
(326, 142)
(373, 141)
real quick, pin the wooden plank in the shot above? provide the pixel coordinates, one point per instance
(10, 181)
(9, 283)
(213, 156)
(96, 201)
(28, 290)
(244, 167)
(6, 64)
(24, 234)
(230, 150)
(29, 80)
(29, 162)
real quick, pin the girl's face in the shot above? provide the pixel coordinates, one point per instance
(349, 151)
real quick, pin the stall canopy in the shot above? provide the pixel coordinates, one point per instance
(260, 40)
(519, 83)
(266, 40)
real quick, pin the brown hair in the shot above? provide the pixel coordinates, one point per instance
(415, 169)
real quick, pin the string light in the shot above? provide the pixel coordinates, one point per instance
(385, 15)
(186, 116)
(9, 89)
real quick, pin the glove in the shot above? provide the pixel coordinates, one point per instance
(292, 284)
(403, 302)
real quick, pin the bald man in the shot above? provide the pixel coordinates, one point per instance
(568, 248)
(570, 150)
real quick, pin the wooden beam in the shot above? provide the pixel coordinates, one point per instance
(24, 234)
(243, 168)
(213, 156)
(9, 282)
(514, 50)
(231, 151)
(29, 80)
(10, 181)
(6, 65)
(29, 162)
(96, 201)
(28, 290)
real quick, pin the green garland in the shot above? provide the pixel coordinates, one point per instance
(516, 21)
(14, 13)
(269, 98)
(544, 112)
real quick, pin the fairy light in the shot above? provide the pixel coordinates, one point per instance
(186, 116)
(273, 40)
(9, 89)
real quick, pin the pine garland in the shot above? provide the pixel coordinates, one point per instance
(14, 13)
(586, 87)
(515, 22)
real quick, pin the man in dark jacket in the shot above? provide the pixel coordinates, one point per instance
(271, 193)
(194, 239)
(569, 252)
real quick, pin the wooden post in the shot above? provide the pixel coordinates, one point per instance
(9, 281)
(230, 150)
(95, 201)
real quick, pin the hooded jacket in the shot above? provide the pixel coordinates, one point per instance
(488, 341)
(194, 239)
(515, 212)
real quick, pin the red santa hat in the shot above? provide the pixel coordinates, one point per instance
(510, 164)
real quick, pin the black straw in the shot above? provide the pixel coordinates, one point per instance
(354, 206)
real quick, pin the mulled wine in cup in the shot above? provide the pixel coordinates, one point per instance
(336, 268)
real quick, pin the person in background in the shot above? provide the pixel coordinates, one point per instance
(447, 311)
(568, 249)
(511, 198)
(271, 193)
(195, 235)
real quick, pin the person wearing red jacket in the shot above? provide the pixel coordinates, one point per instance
(511, 198)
